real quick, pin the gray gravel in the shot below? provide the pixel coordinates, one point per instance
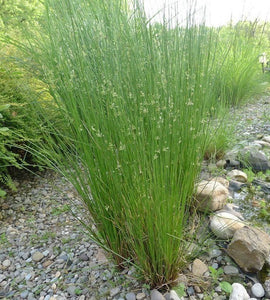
(252, 119)
(44, 253)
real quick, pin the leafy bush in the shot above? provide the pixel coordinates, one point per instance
(18, 94)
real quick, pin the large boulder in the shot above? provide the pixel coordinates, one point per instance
(211, 195)
(250, 247)
(224, 224)
(256, 159)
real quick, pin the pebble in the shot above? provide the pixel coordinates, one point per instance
(2, 277)
(130, 296)
(199, 267)
(231, 270)
(257, 290)
(6, 263)
(24, 294)
(37, 256)
(28, 277)
(215, 253)
(140, 296)
(72, 290)
(190, 291)
(115, 291)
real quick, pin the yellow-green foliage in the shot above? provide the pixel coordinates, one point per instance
(18, 89)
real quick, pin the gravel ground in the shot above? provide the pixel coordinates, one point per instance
(44, 253)
(252, 119)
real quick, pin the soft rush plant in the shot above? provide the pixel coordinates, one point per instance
(135, 97)
(239, 49)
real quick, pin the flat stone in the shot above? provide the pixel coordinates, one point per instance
(257, 290)
(46, 252)
(199, 267)
(215, 253)
(37, 256)
(28, 276)
(130, 296)
(47, 263)
(140, 296)
(24, 294)
(84, 257)
(231, 270)
(115, 291)
(101, 257)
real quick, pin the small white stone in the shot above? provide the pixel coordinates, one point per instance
(57, 274)
(257, 290)
(239, 292)
(6, 263)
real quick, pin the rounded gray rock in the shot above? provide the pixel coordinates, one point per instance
(230, 270)
(257, 290)
(130, 296)
(24, 294)
(156, 295)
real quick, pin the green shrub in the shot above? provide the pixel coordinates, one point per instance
(18, 94)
